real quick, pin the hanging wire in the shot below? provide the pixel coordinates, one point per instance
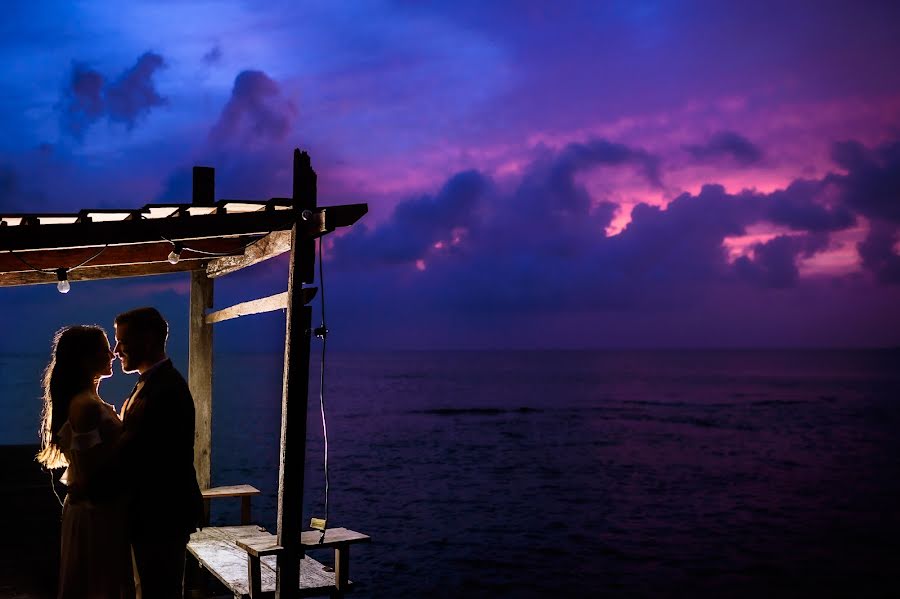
(324, 336)
(53, 270)
(205, 253)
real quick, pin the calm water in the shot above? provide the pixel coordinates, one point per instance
(536, 474)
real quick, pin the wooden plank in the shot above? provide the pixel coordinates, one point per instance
(333, 536)
(118, 255)
(101, 272)
(230, 491)
(188, 228)
(95, 234)
(271, 245)
(216, 549)
(257, 306)
(260, 545)
(200, 372)
(293, 426)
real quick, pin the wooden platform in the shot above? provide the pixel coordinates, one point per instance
(224, 551)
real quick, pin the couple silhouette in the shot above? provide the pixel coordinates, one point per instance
(133, 498)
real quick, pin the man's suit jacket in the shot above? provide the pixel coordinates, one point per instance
(157, 451)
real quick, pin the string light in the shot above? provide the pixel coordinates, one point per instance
(62, 275)
(175, 254)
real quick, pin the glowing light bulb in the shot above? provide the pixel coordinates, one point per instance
(62, 275)
(175, 254)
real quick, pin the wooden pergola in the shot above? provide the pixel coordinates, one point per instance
(210, 239)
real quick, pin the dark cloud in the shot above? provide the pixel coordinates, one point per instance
(774, 263)
(800, 208)
(726, 145)
(248, 144)
(83, 100)
(257, 112)
(871, 185)
(133, 93)
(88, 97)
(542, 244)
(417, 224)
(213, 56)
(878, 253)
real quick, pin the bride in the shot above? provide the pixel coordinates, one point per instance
(79, 430)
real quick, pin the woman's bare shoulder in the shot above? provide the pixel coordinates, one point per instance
(84, 412)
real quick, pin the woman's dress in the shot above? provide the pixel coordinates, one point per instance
(95, 557)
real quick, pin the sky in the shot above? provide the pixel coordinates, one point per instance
(564, 175)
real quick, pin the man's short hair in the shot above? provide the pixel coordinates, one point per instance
(148, 323)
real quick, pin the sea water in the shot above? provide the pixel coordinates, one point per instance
(573, 473)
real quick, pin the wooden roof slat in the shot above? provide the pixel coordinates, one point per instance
(97, 234)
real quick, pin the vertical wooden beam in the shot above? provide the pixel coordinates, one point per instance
(304, 195)
(204, 189)
(200, 369)
(295, 390)
(341, 568)
(200, 359)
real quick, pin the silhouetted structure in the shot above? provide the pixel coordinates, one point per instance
(209, 239)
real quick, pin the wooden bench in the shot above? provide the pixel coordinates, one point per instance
(243, 558)
(245, 492)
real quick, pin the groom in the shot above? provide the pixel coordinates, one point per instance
(157, 455)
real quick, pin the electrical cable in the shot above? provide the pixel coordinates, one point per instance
(53, 270)
(324, 336)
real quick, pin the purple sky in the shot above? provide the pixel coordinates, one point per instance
(602, 174)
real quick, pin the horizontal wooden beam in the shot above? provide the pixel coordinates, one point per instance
(184, 227)
(117, 255)
(271, 245)
(258, 306)
(11, 279)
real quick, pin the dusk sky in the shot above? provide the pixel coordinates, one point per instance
(538, 174)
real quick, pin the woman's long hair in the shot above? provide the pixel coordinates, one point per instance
(74, 365)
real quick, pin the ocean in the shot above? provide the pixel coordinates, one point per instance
(574, 473)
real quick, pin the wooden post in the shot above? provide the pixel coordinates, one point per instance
(305, 199)
(204, 188)
(200, 359)
(295, 390)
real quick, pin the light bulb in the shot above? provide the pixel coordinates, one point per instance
(175, 254)
(62, 275)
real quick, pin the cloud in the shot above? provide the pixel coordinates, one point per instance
(417, 224)
(800, 206)
(88, 96)
(726, 145)
(213, 56)
(476, 248)
(774, 263)
(133, 93)
(249, 143)
(878, 253)
(257, 112)
(83, 102)
(871, 185)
